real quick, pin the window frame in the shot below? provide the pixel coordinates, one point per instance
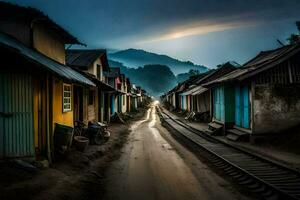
(67, 97)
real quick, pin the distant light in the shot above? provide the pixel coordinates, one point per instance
(156, 102)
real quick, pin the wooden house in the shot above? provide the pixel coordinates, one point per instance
(172, 97)
(124, 95)
(134, 97)
(113, 79)
(36, 87)
(128, 95)
(199, 98)
(91, 104)
(185, 97)
(262, 96)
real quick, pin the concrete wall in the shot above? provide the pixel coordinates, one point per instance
(275, 108)
(48, 43)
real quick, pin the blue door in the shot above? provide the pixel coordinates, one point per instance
(246, 102)
(219, 104)
(112, 103)
(238, 114)
(242, 106)
(222, 103)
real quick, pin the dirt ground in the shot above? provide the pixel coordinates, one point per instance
(79, 175)
(155, 166)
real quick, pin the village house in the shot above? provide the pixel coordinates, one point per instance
(199, 98)
(94, 104)
(187, 87)
(36, 86)
(128, 95)
(119, 81)
(172, 97)
(134, 97)
(260, 98)
(179, 100)
(123, 99)
(113, 80)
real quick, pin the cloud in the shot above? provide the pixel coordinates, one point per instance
(200, 28)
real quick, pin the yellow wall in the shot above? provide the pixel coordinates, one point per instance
(48, 43)
(65, 118)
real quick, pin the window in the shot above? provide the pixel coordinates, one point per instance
(124, 96)
(91, 97)
(67, 97)
(99, 72)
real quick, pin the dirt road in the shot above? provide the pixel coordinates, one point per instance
(155, 166)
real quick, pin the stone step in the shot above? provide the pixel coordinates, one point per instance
(215, 128)
(237, 135)
(208, 131)
(214, 125)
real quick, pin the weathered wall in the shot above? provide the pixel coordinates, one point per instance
(90, 111)
(124, 101)
(203, 102)
(48, 43)
(65, 118)
(275, 108)
(174, 100)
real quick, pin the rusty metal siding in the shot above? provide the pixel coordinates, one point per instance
(17, 130)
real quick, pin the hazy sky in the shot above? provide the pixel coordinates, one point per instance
(206, 32)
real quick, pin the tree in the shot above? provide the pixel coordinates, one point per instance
(295, 38)
(193, 72)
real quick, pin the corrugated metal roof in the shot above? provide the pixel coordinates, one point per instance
(199, 90)
(194, 91)
(85, 57)
(190, 91)
(47, 63)
(210, 76)
(263, 61)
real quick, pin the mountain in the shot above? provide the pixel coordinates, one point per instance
(135, 58)
(147, 78)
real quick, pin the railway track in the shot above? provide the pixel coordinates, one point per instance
(266, 179)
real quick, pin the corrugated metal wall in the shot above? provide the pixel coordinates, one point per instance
(17, 103)
(1, 117)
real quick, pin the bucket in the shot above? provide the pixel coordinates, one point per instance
(62, 137)
(80, 142)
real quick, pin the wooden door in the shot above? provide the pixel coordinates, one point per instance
(78, 103)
